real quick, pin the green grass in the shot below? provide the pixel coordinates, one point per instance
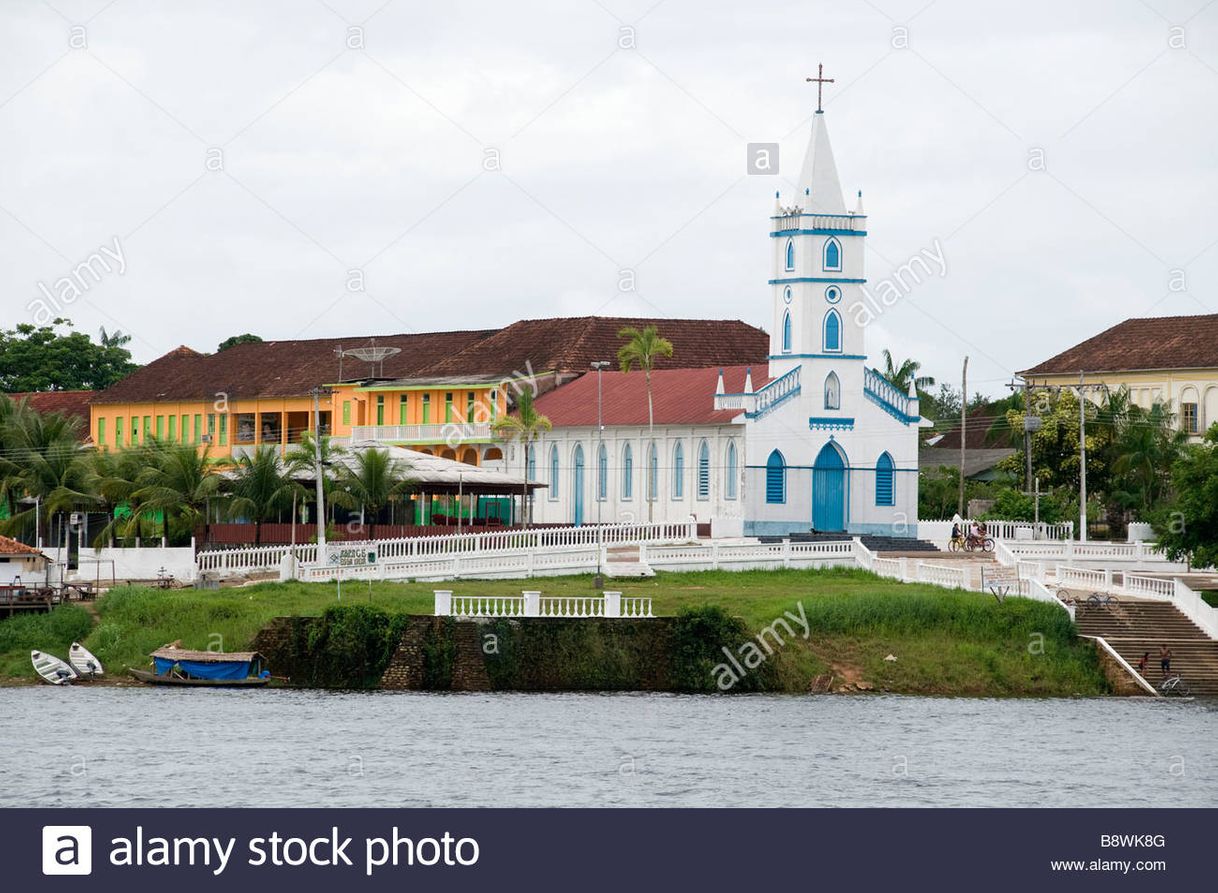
(945, 642)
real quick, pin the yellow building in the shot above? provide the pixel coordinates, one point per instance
(1171, 359)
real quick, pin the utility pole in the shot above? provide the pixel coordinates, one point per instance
(963, 432)
(599, 365)
(1027, 433)
(1082, 460)
(317, 473)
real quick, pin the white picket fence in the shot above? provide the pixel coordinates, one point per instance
(423, 550)
(1022, 531)
(1174, 590)
(531, 603)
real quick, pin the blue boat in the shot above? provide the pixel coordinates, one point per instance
(174, 665)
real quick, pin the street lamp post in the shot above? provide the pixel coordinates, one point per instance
(599, 366)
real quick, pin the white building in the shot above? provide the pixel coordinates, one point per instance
(819, 441)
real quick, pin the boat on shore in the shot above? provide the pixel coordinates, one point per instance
(174, 665)
(51, 668)
(84, 663)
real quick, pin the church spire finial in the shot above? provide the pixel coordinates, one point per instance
(820, 80)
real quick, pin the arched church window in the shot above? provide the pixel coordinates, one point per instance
(833, 332)
(833, 255)
(833, 392)
(775, 479)
(786, 332)
(602, 473)
(790, 254)
(703, 490)
(627, 473)
(885, 493)
(554, 472)
(678, 471)
(731, 481)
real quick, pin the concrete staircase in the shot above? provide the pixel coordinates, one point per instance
(626, 561)
(1134, 627)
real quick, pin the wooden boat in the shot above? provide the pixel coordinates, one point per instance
(174, 665)
(51, 668)
(83, 662)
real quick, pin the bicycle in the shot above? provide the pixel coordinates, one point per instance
(1175, 687)
(956, 544)
(1101, 600)
(985, 544)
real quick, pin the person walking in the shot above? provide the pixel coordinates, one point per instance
(1144, 663)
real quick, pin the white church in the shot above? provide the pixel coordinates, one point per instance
(817, 441)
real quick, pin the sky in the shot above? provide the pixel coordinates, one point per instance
(321, 169)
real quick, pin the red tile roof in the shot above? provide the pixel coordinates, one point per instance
(10, 546)
(567, 346)
(681, 397)
(69, 403)
(1164, 342)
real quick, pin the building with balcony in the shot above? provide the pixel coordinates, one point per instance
(1168, 359)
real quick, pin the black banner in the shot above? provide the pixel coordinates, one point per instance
(610, 850)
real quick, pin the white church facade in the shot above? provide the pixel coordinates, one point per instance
(818, 441)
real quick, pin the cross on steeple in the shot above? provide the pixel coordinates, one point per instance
(820, 81)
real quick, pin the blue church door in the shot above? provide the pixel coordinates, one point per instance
(829, 489)
(577, 490)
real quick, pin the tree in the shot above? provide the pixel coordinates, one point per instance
(1187, 526)
(642, 349)
(259, 488)
(302, 457)
(900, 375)
(370, 481)
(178, 481)
(46, 464)
(526, 426)
(234, 340)
(40, 358)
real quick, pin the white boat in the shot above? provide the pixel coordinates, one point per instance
(83, 661)
(51, 668)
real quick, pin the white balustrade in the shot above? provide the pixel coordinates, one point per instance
(531, 603)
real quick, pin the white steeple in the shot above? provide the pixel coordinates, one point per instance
(820, 191)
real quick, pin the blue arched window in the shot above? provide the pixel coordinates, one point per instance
(833, 332)
(554, 472)
(703, 490)
(885, 493)
(833, 255)
(786, 332)
(627, 473)
(790, 254)
(602, 473)
(678, 471)
(653, 473)
(775, 478)
(833, 392)
(731, 479)
(531, 469)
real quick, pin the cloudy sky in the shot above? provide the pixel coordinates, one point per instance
(313, 169)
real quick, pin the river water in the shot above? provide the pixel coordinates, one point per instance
(84, 746)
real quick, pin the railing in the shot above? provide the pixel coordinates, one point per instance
(1021, 532)
(1149, 586)
(1124, 664)
(943, 575)
(406, 550)
(530, 603)
(774, 394)
(807, 220)
(882, 392)
(451, 432)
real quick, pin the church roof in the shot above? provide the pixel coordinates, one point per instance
(681, 397)
(1163, 342)
(819, 174)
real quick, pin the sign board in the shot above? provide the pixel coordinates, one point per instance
(338, 555)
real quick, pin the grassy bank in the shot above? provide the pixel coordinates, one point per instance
(944, 642)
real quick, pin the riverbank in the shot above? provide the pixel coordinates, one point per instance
(944, 642)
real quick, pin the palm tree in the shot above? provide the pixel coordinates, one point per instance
(526, 426)
(48, 465)
(303, 456)
(12, 417)
(180, 480)
(371, 481)
(117, 338)
(259, 488)
(901, 375)
(642, 349)
(111, 479)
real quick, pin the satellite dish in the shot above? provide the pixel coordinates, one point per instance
(372, 355)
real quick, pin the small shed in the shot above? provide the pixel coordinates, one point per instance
(20, 563)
